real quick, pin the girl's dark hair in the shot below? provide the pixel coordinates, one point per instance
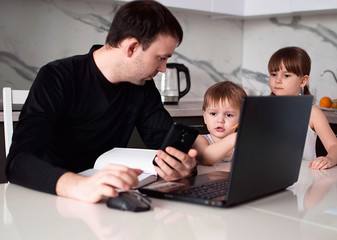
(143, 20)
(295, 60)
(223, 91)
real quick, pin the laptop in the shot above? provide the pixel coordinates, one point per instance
(266, 159)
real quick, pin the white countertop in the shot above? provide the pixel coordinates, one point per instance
(185, 109)
(331, 116)
(191, 109)
(182, 109)
(308, 211)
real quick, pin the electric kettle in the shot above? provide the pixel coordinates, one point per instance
(168, 83)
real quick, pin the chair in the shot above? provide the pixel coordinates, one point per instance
(10, 97)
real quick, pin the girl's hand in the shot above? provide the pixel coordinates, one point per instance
(322, 163)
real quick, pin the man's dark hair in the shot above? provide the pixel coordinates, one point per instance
(143, 20)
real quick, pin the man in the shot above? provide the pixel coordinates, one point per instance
(82, 106)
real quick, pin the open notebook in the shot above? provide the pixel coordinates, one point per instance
(267, 156)
(130, 157)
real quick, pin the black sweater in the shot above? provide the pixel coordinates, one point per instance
(72, 115)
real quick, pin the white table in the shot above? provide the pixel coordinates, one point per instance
(307, 211)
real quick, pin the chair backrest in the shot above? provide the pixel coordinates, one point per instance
(10, 97)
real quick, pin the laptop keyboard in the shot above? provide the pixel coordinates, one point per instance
(206, 191)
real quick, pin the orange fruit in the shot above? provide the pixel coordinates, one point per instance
(325, 102)
(334, 105)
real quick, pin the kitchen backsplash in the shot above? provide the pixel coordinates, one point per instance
(214, 49)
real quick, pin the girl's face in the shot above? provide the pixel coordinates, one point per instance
(284, 83)
(220, 119)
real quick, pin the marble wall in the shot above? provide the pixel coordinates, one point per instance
(35, 32)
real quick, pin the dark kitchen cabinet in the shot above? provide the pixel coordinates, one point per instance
(3, 178)
(135, 141)
(196, 122)
(320, 150)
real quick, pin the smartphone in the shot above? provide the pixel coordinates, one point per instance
(180, 136)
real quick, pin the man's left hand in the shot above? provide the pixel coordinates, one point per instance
(170, 169)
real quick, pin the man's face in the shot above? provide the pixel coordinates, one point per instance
(146, 64)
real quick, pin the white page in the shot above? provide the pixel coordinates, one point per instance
(131, 157)
(332, 211)
(89, 172)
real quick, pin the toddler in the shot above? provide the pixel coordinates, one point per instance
(221, 113)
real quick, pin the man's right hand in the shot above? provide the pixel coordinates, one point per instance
(104, 183)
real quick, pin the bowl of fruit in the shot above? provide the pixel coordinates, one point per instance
(328, 104)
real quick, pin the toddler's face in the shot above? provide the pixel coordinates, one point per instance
(220, 119)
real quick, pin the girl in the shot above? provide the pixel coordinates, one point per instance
(289, 70)
(221, 112)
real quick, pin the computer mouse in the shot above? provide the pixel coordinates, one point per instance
(130, 201)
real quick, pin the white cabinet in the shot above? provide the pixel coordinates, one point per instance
(269, 7)
(313, 5)
(230, 7)
(266, 7)
(248, 8)
(199, 5)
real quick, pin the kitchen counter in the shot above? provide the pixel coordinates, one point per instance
(193, 109)
(331, 116)
(15, 116)
(185, 109)
(182, 109)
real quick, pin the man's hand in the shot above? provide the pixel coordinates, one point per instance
(103, 183)
(170, 169)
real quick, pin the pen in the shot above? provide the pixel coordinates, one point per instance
(235, 127)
